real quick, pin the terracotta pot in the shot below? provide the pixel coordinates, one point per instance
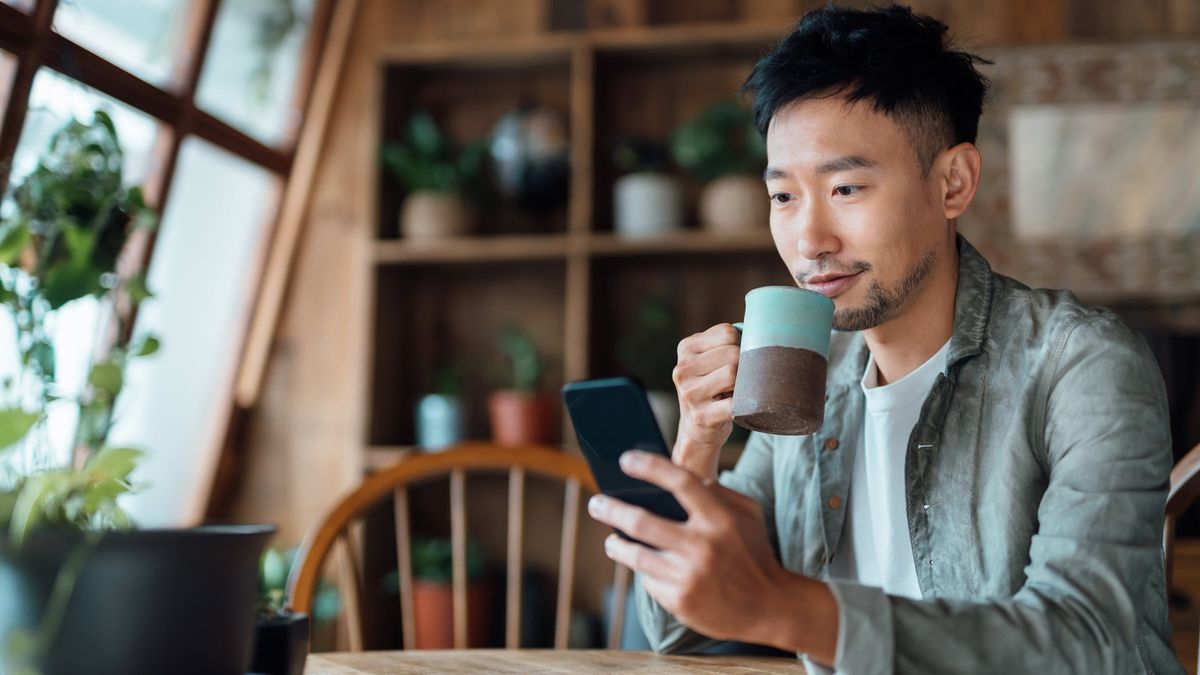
(433, 609)
(519, 418)
(735, 204)
(435, 215)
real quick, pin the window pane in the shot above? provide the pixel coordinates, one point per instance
(141, 36)
(74, 329)
(203, 271)
(249, 77)
(55, 99)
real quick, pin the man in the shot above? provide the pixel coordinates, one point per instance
(987, 492)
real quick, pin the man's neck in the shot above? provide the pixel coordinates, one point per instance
(923, 326)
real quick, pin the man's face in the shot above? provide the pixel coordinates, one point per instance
(851, 213)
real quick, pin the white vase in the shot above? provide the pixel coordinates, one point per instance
(647, 205)
(666, 412)
(439, 422)
(735, 205)
(434, 215)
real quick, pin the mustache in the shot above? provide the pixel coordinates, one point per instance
(832, 267)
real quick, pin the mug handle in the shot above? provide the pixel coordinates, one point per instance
(740, 326)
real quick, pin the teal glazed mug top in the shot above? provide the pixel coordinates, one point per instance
(780, 386)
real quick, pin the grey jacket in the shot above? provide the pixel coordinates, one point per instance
(1036, 478)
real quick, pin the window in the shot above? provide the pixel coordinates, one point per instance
(205, 96)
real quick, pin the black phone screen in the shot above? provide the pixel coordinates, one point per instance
(611, 416)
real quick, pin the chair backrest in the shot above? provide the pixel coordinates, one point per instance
(1185, 488)
(455, 463)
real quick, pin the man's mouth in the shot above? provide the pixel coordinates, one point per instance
(831, 285)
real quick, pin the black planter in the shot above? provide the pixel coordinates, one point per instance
(280, 645)
(146, 601)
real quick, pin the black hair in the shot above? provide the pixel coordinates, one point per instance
(901, 62)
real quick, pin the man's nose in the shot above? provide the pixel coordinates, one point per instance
(816, 232)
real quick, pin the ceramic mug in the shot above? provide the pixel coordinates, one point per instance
(780, 386)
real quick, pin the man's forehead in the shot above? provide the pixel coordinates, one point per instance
(832, 134)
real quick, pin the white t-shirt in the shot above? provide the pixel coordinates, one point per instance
(875, 548)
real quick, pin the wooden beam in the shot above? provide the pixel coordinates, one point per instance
(286, 237)
(36, 30)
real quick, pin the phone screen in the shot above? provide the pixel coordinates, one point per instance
(611, 416)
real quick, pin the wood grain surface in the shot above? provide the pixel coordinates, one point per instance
(528, 661)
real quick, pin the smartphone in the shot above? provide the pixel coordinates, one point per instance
(611, 416)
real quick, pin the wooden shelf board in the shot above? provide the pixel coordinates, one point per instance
(682, 243)
(556, 47)
(688, 36)
(472, 249)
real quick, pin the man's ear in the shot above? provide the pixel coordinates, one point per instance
(960, 178)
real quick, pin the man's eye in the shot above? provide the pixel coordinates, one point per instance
(781, 198)
(848, 190)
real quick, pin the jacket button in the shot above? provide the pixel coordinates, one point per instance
(835, 502)
(831, 444)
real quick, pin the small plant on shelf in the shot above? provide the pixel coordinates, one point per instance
(723, 150)
(441, 179)
(520, 414)
(647, 198)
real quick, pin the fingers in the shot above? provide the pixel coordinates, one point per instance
(718, 335)
(656, 469)
(653, 564)
(708, 374)
(635, 522)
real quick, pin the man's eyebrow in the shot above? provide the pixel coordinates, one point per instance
(845, 163)
(774, 172)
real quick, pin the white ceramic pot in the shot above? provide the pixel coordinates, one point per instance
(666, 412)
(439, 422)
(735, 205)
(434, 215)
(647, 205)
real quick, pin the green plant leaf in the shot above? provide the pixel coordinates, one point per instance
(112, 463)
(36, 502)
(16, 237)
(106, 377)
(14, 424)
(148, 344)
(138, 291)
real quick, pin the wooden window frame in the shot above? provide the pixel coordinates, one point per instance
(30, 37)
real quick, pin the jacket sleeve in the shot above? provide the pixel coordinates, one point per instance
(753, 476)
(1096, 557)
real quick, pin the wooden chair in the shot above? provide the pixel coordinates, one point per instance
(1185, 488)
(455, 463)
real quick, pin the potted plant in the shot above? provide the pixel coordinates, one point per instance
(69, 557)
(433, 594)
(722, 148)
(440, 414)
(647, 200)
(648, 353)
(280, 635)
(520, 415)
(438, 177)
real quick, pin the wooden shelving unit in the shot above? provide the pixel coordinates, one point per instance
(565, 275)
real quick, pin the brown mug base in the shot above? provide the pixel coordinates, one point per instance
(780, 420)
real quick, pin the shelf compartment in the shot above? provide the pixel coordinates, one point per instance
(430, 315)
(467, 100)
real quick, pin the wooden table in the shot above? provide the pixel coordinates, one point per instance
(526, 661)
